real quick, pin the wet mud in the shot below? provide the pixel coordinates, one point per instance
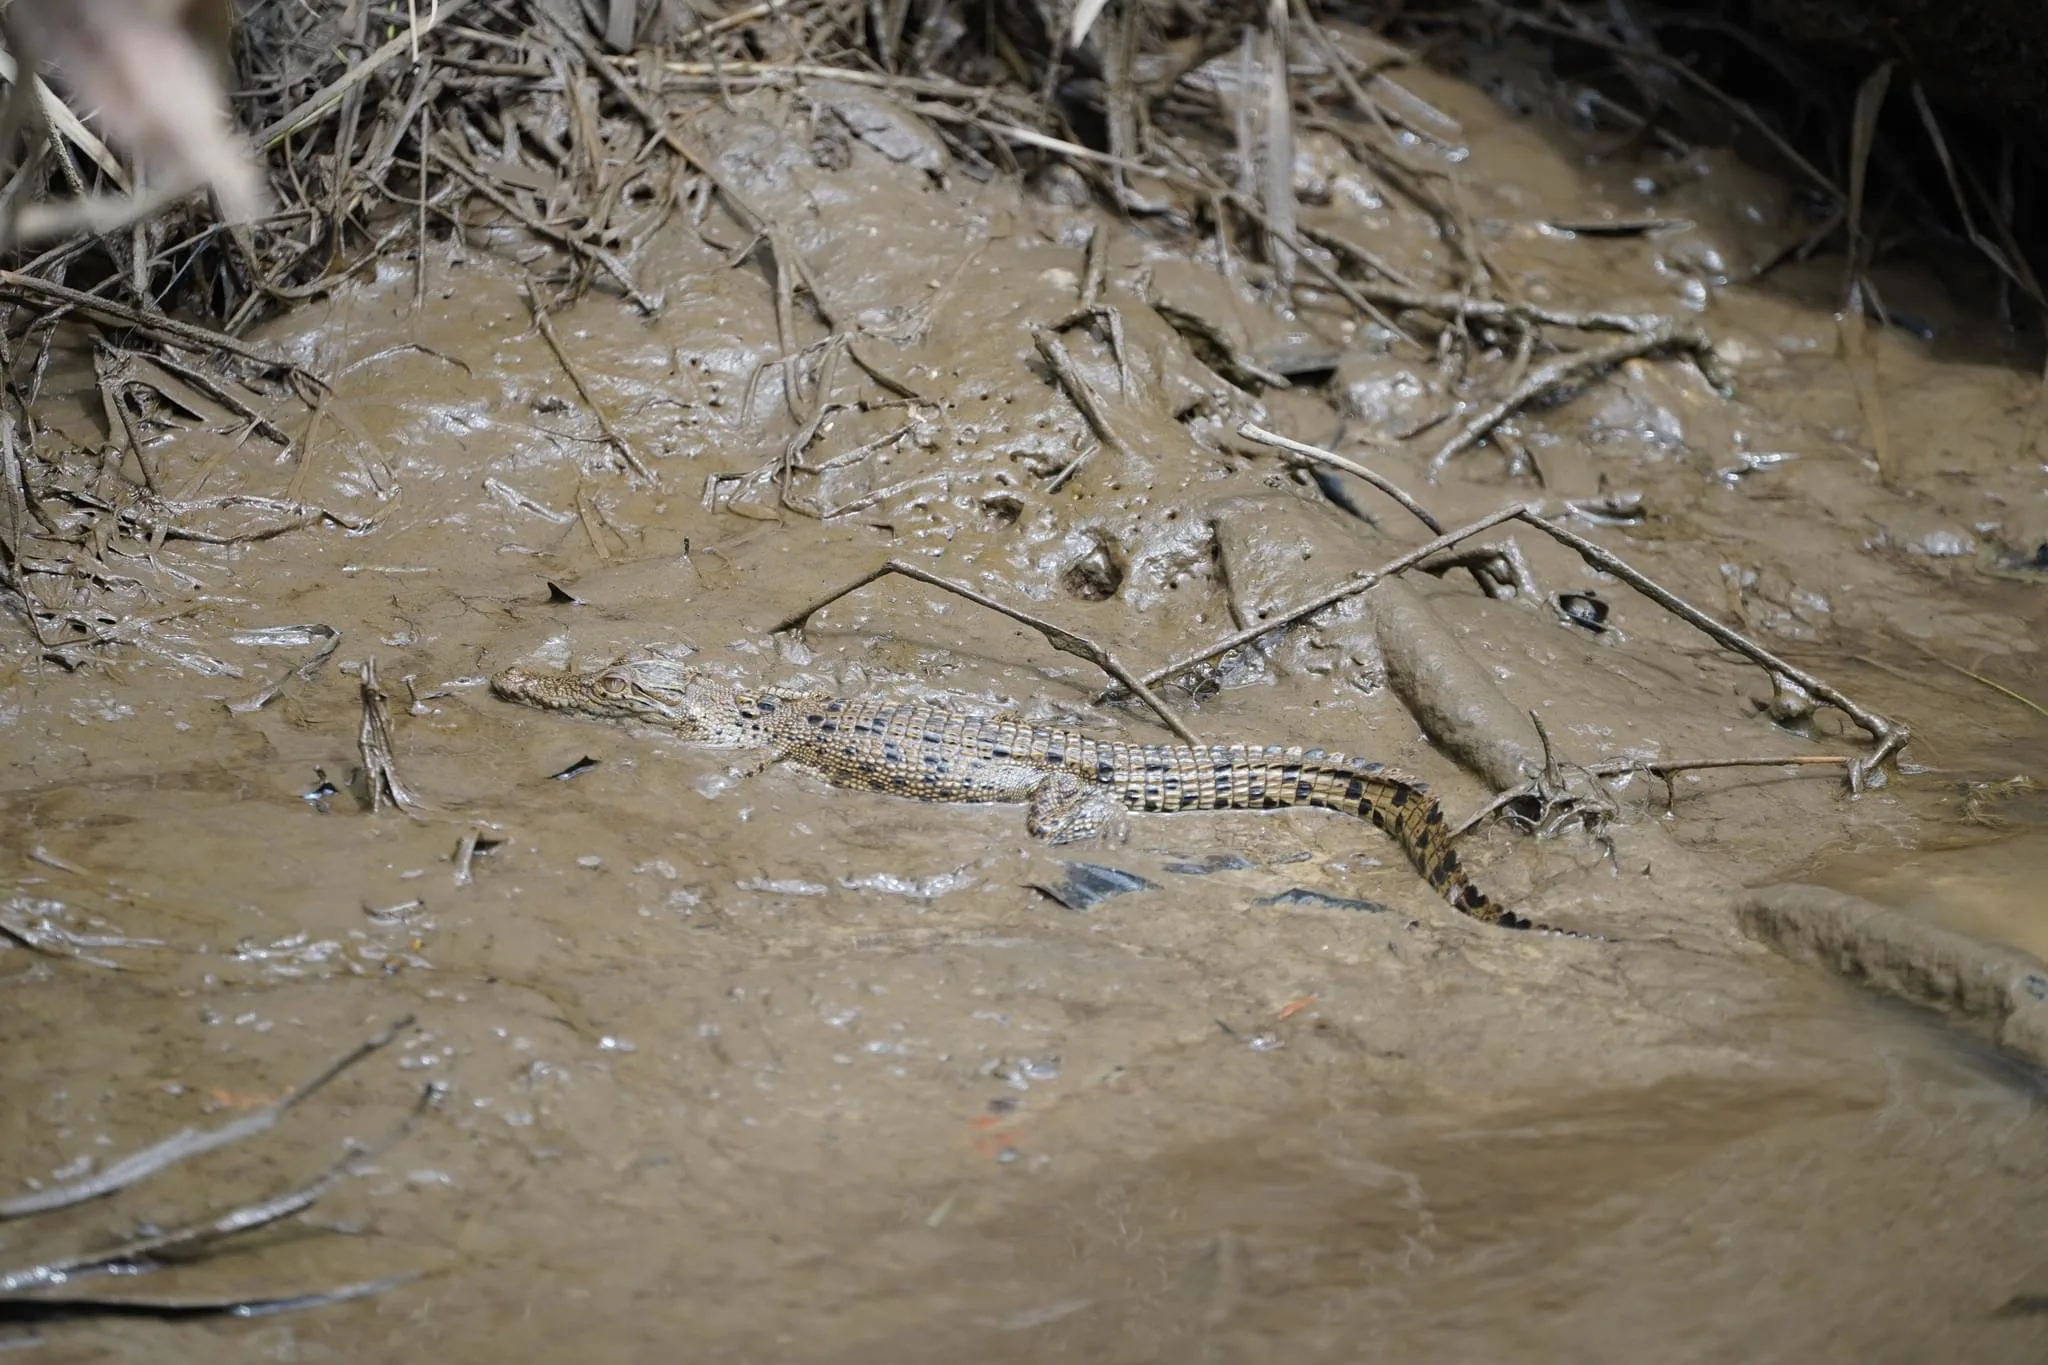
(739, 1066)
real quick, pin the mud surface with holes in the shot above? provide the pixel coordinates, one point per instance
(744, 1066)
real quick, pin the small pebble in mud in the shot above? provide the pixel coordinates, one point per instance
(1584, 609)
(1097, 574)
(590, 860)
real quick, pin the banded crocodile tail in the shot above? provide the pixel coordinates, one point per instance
(1411, 815)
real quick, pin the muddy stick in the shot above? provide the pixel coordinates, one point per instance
(1060, 638)
(1551, 374)
(39, 934)
(1085, 398)
(612, 435)
(1352, 588)
(1889, 736)
(47, 1307)
(151, 521)
(184, 1241)
(221, 394)
(1251, 431)
(192, 1142)
(1343, 246)
(330, 640)
(1501, 569)
(1112, 323)
(1675, 332)
(1664, 770)
(380, 764)
(158, 326)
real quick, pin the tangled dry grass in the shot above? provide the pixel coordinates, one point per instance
(370, 129)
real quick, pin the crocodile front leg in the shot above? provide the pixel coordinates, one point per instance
(1065, 809)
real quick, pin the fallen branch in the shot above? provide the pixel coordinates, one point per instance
(1557, 372)
(1888, 735)
(1058, 637)
(612, 435)
(166, 330)
(1351, 588)
(1085, 398)
(190, 1143)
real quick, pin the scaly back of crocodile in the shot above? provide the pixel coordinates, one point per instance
(932, 753)
(936, 754)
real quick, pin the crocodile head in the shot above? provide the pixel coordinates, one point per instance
(652, 690)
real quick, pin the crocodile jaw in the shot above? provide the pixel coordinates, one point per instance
(654, 691)
(553, 691)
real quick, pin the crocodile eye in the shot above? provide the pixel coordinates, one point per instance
(613, 685)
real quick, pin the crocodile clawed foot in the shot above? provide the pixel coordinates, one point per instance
(1065, 809)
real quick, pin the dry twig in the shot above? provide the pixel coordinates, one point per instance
(190, 1143)
(380, 764)
(1085, 398)
(1058, 637)
(612, 435)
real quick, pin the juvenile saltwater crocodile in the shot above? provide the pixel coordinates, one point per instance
(1071, 784)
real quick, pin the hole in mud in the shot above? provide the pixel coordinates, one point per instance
(1098, 574)
(1003, 509)
(1584, 609)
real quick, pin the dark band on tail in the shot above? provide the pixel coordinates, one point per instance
(1415, 819)
(1407, 811)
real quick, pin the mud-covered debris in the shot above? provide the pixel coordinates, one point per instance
(1584, 609)
(884, 124)
(1098, 573)
(2000, 992)
(1320, 900)
(1087, 885)
(1209, 864)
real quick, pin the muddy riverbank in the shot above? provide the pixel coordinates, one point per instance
(739, 1065)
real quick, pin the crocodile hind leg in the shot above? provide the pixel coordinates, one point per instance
(1065, 809)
